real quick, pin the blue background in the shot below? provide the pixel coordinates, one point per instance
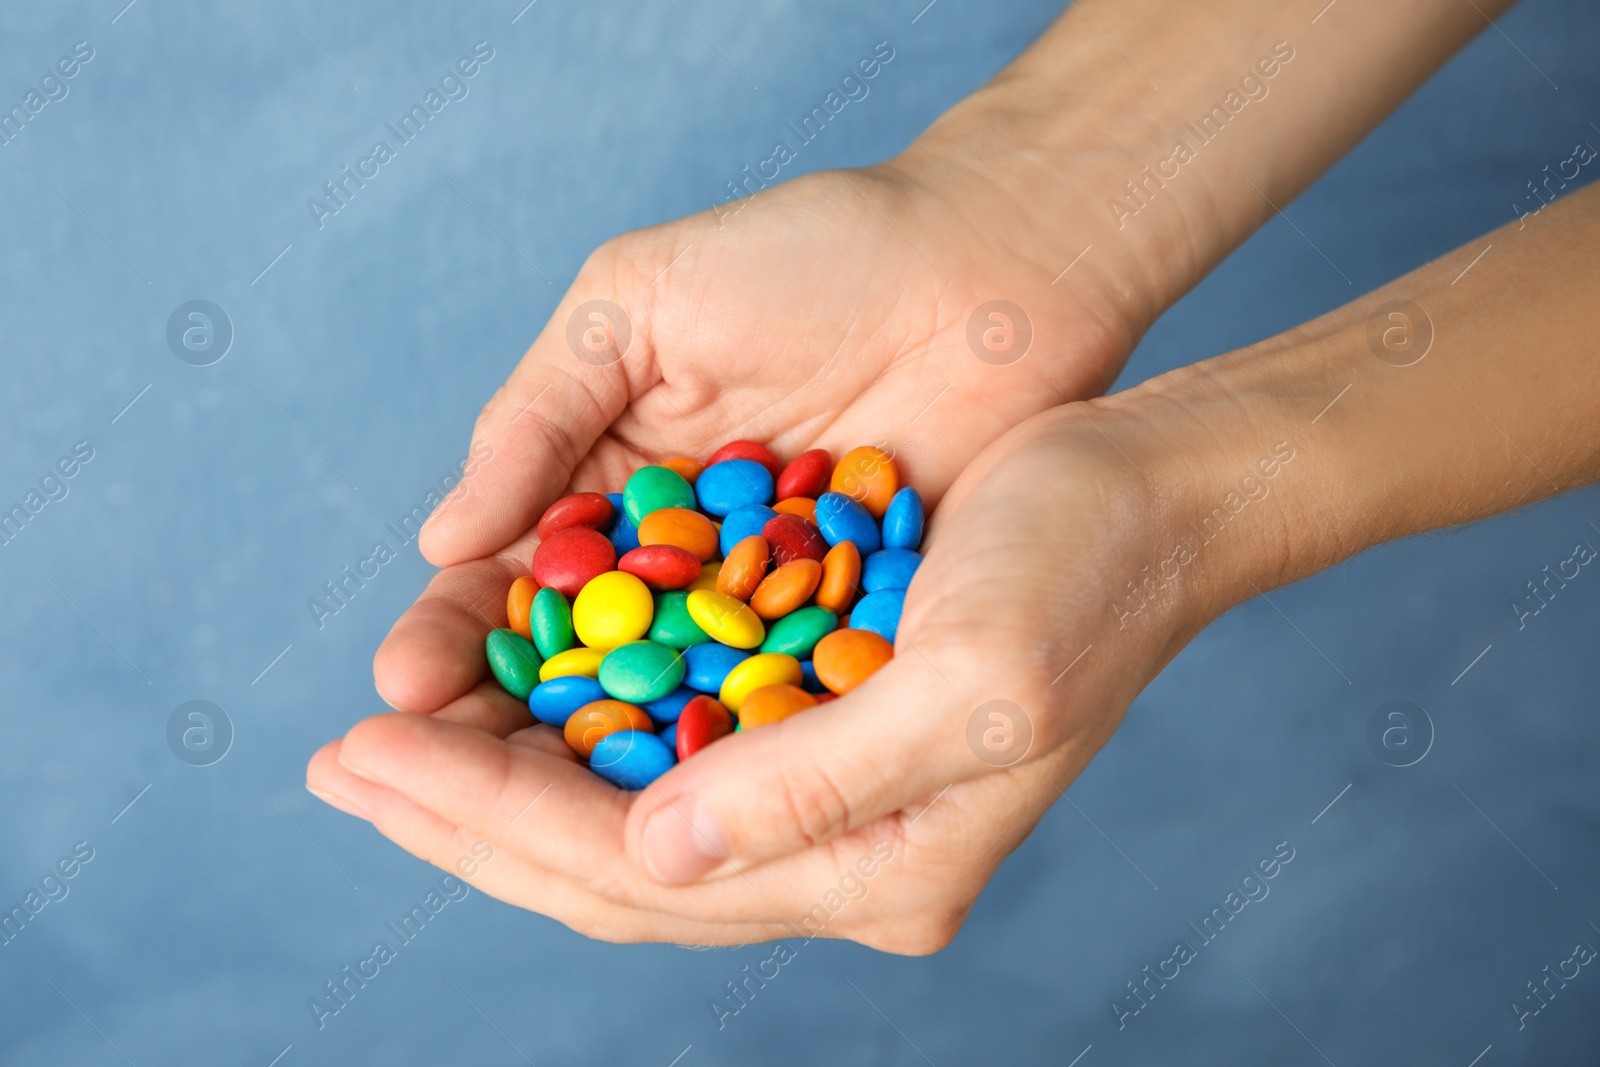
(180, 563)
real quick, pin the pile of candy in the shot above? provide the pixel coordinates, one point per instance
(690, 605)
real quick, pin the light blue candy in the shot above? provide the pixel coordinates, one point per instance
(669, 737)
(631, 759)
(733, 483)
(709, 664)
(623, 533)
(553, 702)
(902, 520)
(669, 707)
(742, 522)
(891, 568)
(843, 519)
(879, 612)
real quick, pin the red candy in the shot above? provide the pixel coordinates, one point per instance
(703, 721)
(792, 538)
(748, 450)
(580, 509)
(568, 559)
(807, 475)
(661, 567)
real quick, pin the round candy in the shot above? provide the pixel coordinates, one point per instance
(514, 662)
(668, 708)
(673, 626)
(631, 759)
(688, 530)
(567, 559)
(732, 483)
(809, 680)
(653, 488)
(749, 450)
(902, 520)
(702, 722)
(867, 475)
(550, 619)
(744, 568)
(623, 534)
(519, 602)
(725, 619)
(806, 475)
(786, 588)
(641, 672)
(890, 568)
(613, 609)
(846, 658)
(741, 523)
(592, 722)
(798, 633)
(709, 665)
(841, 573)
(574, 661)
(792, 538)
(553, 702)
(773, 703)
(708, 576)
(803, 506)
(661, 566)
(593, 510)
(880, 612)
(841, 519)
(669, 737)
(686, 468)
(764, 668)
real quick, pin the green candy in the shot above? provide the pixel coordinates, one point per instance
(797, 633)
(641, 672)
(550, 619)
(514, 661)
(653, 488)
(672, 625)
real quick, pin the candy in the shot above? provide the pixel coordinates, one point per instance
(802, 506)
(569, 558)
(867, 475)
(748, 450)
(703, 721)
(553, 702)
(631, 759)
(741, 523)
(744, 568)
(581, 661)
(667, 709)
(653, 488)
(786, 588)
(593, 722)
(519, 603)
(661, 566)
(841, 519)
(902, 520)
(514, 661)
(686, 468)
(841, 572)
(623, 534)
(725, 619)
(762, 669)
(809, 680)
(773, 703)
(797, 634)
(613, 609)
(806, 475)
(580, 509)
(673, 626)
(709, 665)
(731, 484)
(792, 538)
(669, 737)
(891, 568)
(685, 529)
(708, 576)
(641, 672)
(550, 619)
(846, 658)
(880, 612)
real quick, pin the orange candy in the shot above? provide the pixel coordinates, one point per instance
(519, 605)
(802, 506)
(867, 475)
(685, 468)
(681, 528)
(600, 719)
(773, 703)
(744, 568)
(786, 588)
(846, 658)
(841, 572)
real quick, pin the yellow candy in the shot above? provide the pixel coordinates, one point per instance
(763, 669)
(708, 576)
(725, 619)
(612, 609)
(584, 661)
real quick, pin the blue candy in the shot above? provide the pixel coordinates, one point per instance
(879, 612)
(669, 737)
(891, 568)
(669, 707)
(902, 520)
(741, 523)
(631, 759)
(733, 483)
(623, 533)
(553, 702)
(808, 678)
(840, 518)
(709, 664)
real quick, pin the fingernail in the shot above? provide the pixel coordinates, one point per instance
(349, 807)
(682, 841)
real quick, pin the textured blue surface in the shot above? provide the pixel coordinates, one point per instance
(179, 564)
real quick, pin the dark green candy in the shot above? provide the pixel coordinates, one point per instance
(653, 488)
(672, 625)
(798, 632)
(550, 619)
(641, 671)
(514, 661)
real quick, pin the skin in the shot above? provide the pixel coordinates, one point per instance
(845, 338)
